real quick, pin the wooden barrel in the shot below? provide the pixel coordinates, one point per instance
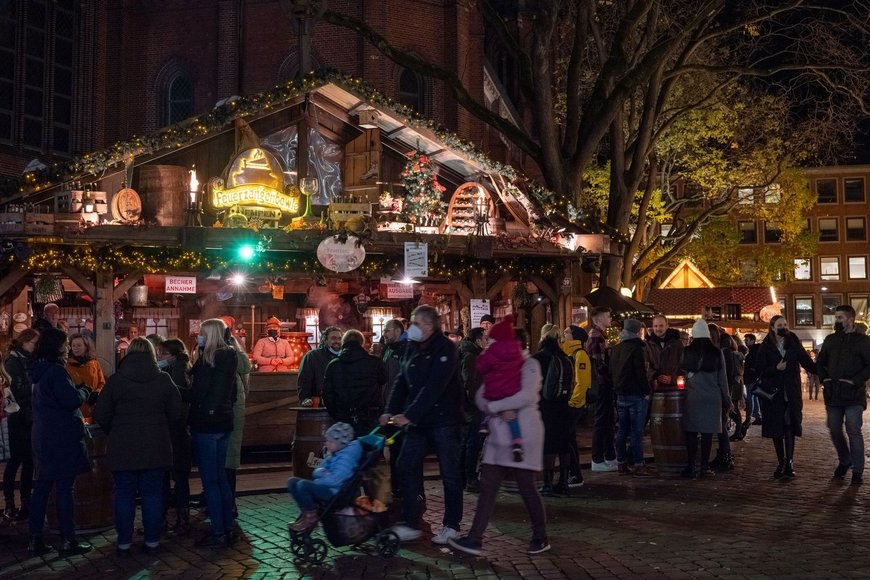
(163, 189)
(93, 490)
(666, 431)
(311, 423)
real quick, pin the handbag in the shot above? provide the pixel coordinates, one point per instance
(766, 392)
(10, 405)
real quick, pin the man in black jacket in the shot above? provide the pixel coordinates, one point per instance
(629, 369)
(312, 368)
(844, 368)
(353, 385)
(470, 348)
(427, 400)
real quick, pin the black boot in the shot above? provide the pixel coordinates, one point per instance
(182, 521)
(716, 461)
(789, 469)
(780, 468)
(726, 463)
(72, 547)
(37, 547)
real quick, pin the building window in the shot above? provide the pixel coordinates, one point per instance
(411, 90)
(829, 308)
(772, 233)
(857, 267)
(748, 233)
(856, 229)
(783, 309)
(826, 189)
(180, 99)
(804, 315)
(853, 189)
(745, 196)
(829, 269)
(803, 269)
(773, 194)
(828, 230)
(860, 304)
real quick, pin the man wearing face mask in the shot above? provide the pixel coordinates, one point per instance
(312, 369)
(843, 367)
(427, 399)
(272, 353)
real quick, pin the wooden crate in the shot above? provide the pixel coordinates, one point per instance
(340, 213)
(71, 202)
(73, 218)
(28, 223)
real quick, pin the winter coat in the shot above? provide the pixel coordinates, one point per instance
(787, 405)
(427, 390)
(353, 388)
(392, 359)
(844, 355)
(182, 452)
(629, 367)
(89, 373)
(266, 350)
(471, 381)
(339, 467)
(16, 365)
(664, 358)
(58, 429)
(312, 371)
(707, 395)
(750, 375)
(234, 447)
(497, 449)
(499, 368)
(559, 418)
(213, 392)
(137, 408)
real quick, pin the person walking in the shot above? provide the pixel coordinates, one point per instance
(19, 425)
(498, 460)
(84, 368)
(136, 410)
(59, 451)
(603, 450)
(312, 368)
(427, 399)
(706, 395)
(779, 363)
(213, 392)
(470, 348)
(354, 384)
(630, 372)
(843, 366)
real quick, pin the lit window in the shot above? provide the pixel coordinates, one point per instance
(856, 229)
(804, 315)
(829, 308)
(860, 304)
(858, 267)
(773, 194)
(829, 269)
(828, 231)
(745, 196)
(803, 269)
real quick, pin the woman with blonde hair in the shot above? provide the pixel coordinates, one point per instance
(212, 396)
(84, 369)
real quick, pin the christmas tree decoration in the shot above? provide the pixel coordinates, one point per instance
(423, 203)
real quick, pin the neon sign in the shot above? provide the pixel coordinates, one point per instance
(259, 195)
(255, 179)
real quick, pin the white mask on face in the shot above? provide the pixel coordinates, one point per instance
(415, 333)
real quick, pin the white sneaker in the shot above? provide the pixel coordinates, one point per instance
(446, 533)
(406, 533)
(604, 466)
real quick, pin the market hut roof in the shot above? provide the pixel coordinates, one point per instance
(693, 301)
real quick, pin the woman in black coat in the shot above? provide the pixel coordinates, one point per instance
(778, 364)
(20, 423)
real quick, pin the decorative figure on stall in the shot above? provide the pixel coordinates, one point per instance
(272, 353)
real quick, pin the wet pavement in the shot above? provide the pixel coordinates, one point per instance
(743, 524)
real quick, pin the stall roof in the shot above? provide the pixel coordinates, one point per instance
(693, 301)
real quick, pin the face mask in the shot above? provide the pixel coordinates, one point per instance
(781, 331)
(200, 341)
(415, 334)
(163, 364)
(273, 334)
(839, 327)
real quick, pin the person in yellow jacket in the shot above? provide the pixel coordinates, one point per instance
(573, 340)
(84, 369)
(272, 353)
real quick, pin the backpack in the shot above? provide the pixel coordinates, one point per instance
(559, 380)
(583, 378)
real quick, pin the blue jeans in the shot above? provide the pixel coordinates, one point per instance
(150, 485)
(307, 493)
(753, 407)
(853, 452)
(632, 418)
(417, 442)
(63, 493)
(211, 456)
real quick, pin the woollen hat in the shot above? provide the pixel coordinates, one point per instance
(340, 433)
(272, 323)
(487, 318)
(632, 325)
(578, 333)
(503, 329)
(700, 329)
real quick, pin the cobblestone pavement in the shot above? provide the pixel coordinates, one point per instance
(740, 525)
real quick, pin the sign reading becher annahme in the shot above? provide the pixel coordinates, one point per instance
(181, 284)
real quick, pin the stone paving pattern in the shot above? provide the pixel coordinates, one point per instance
(739, 525)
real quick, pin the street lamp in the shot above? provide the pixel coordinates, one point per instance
(481, 214)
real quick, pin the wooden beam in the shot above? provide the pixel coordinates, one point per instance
(81, 280)
(130, 281)
(497, 287)
(12, 278)
(463, 291)
(104, 321)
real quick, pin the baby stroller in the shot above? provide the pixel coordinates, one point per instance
(345, 523)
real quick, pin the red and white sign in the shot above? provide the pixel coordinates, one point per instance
(181, 284)
(397, 291)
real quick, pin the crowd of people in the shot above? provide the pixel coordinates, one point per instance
(484, 405)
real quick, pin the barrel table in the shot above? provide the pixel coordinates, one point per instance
(311, 424)
(666, 431)
(92, 493)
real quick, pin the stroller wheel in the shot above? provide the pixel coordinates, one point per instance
(298, 547)
(387, 543)
(317, 551)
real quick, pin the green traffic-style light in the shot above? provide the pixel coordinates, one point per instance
(246, 253)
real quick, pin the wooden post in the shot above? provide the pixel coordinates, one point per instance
(104, 321)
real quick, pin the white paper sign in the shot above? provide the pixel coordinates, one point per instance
(399, 291)
(416, 259)
(479, 308)
(181, 284)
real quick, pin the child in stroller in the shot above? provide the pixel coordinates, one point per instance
(348, 518)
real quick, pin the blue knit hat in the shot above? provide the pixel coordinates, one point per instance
(340, 433)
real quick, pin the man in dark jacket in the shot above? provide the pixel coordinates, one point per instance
(353, 385)
(603, 453)
(469, 348)
(629, 369)
(844, 368)
(427, 398)
(750, 375)
(395, 341)
(312, 368)
(665, 352)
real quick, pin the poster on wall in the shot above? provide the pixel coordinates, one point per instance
(416, 260)
(479, 308)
